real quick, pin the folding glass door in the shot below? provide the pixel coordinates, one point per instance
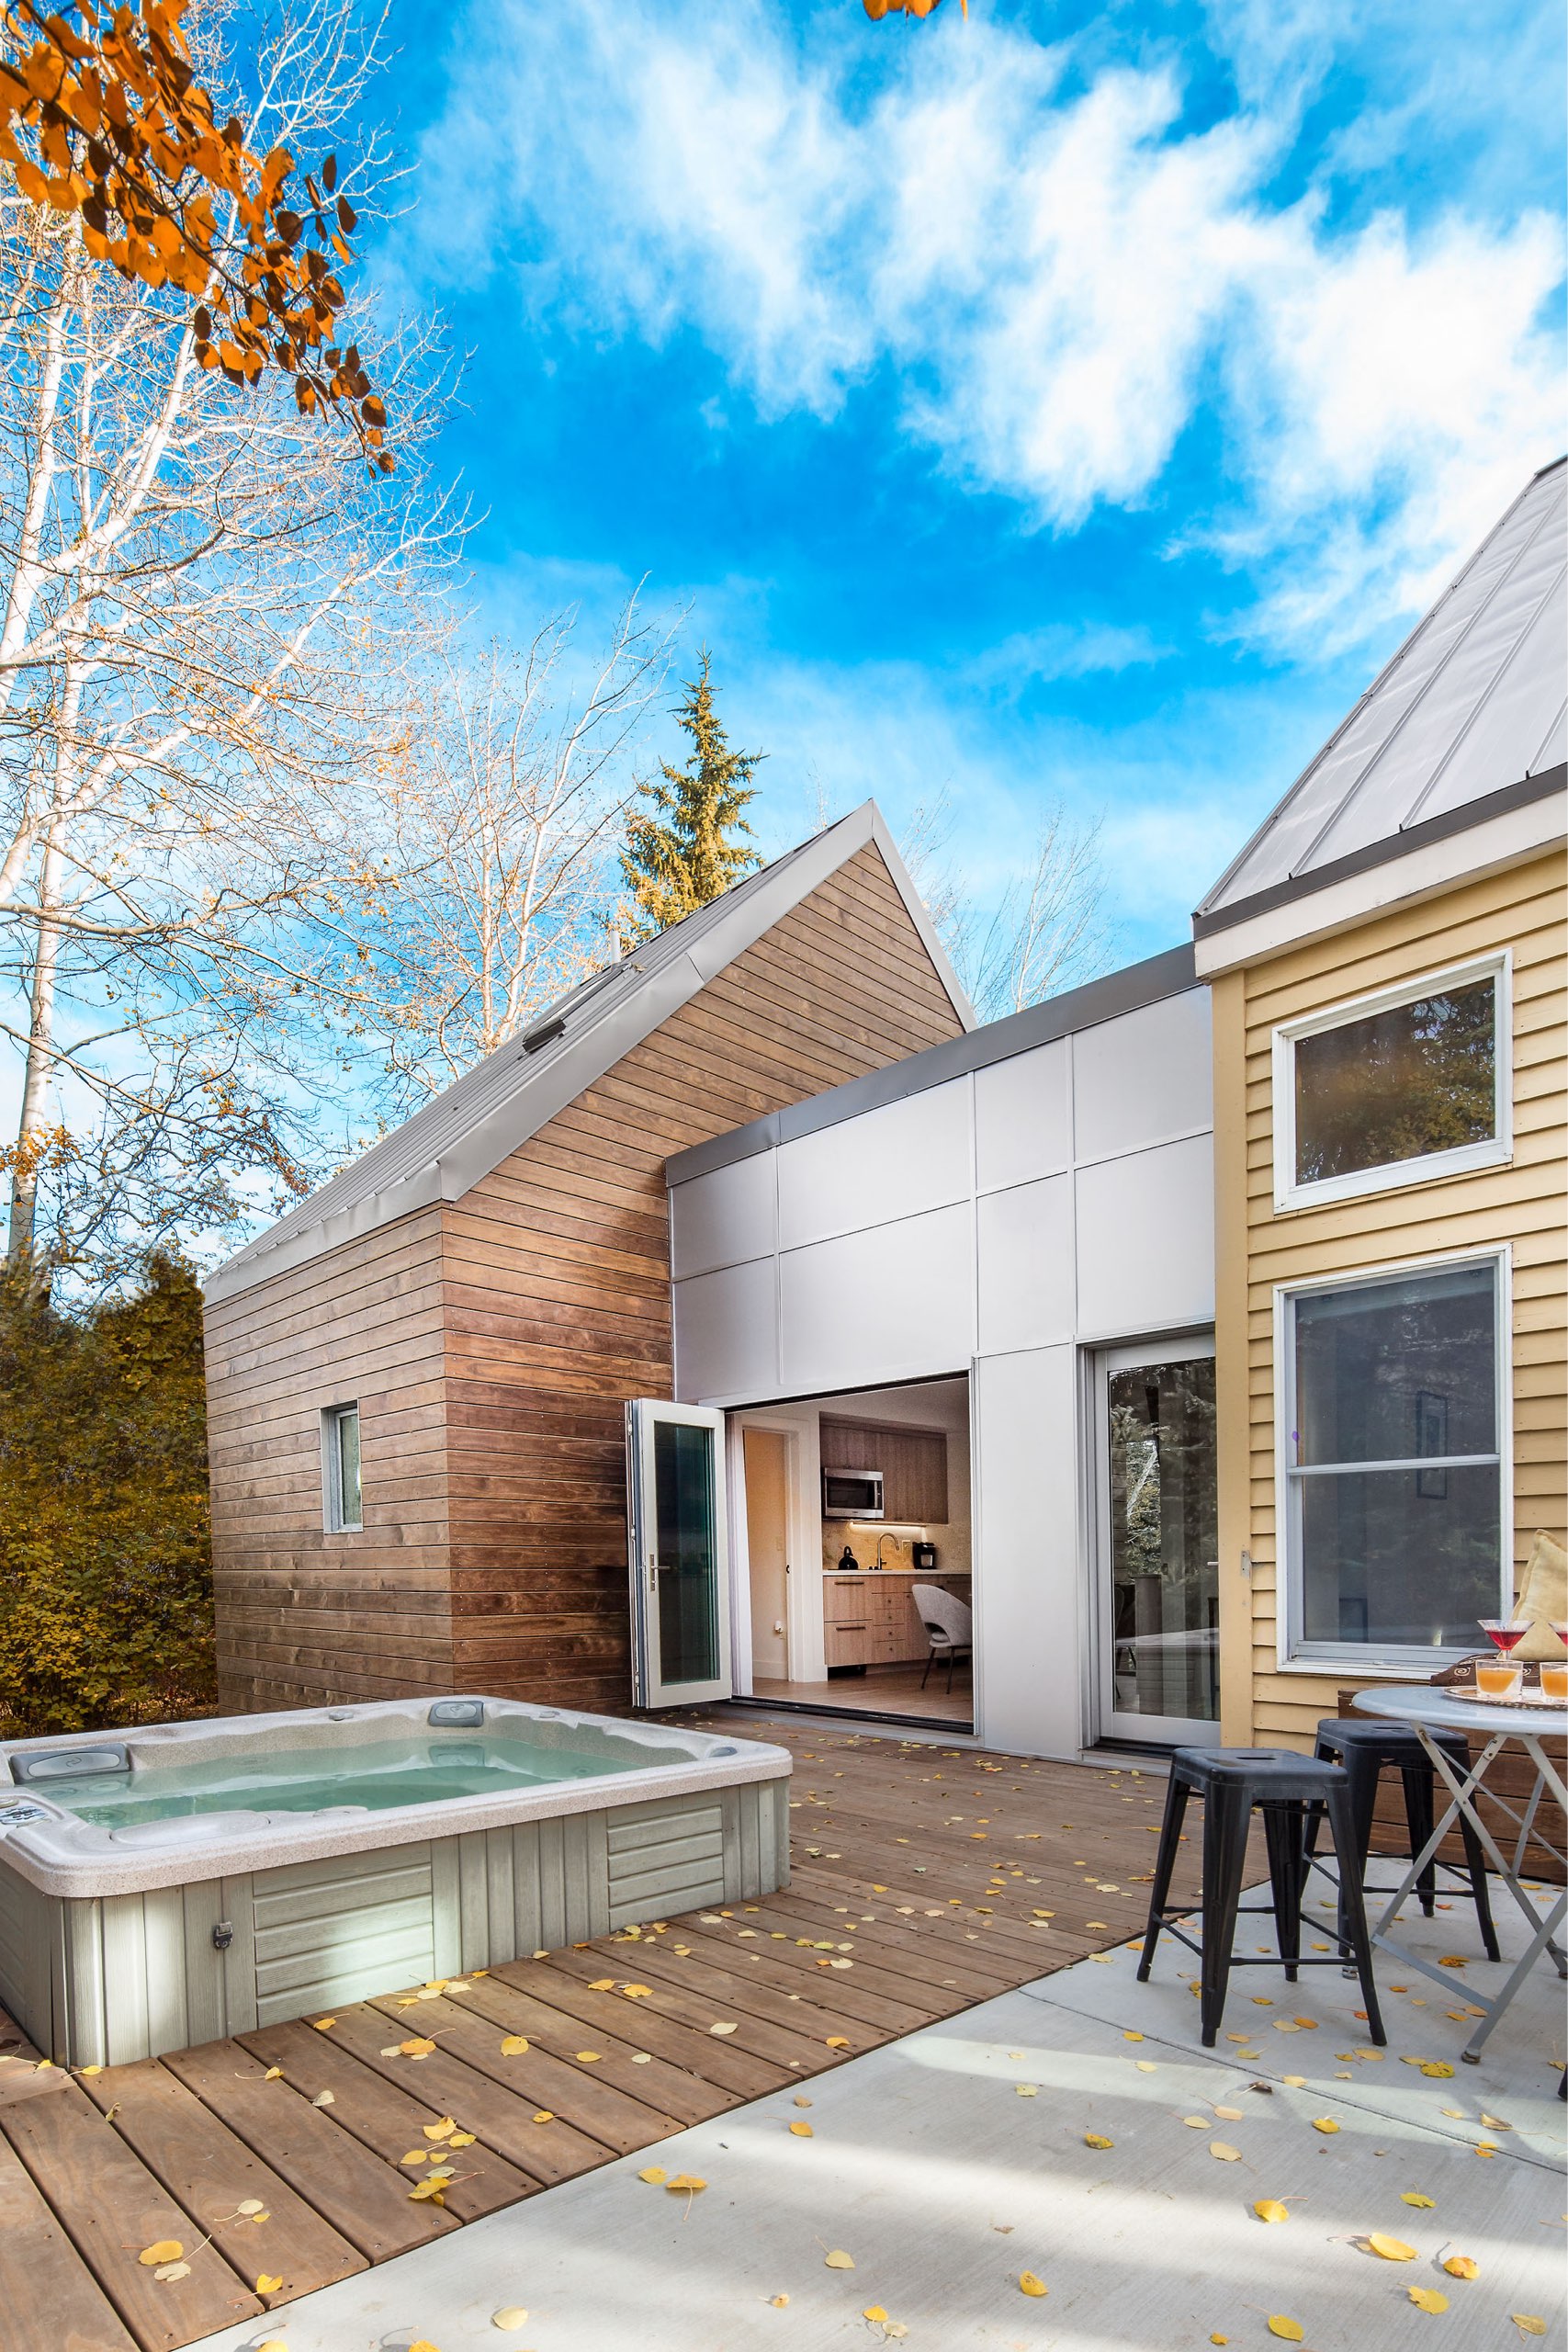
(678, 1554)
(1158, 1647)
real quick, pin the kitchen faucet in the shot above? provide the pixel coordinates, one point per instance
(880, 1542)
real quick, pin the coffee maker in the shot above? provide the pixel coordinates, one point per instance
(922, 1559)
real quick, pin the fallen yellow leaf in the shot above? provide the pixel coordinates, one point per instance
(323, 2098)
(1391, 2249)
(801, 2131)
(637, 1992)
(1528, 2324)
(1132, 2037)
(655, 2175)
(1463, 2266)
(1439, 2068)
(428, 2190)
(1228, 2114)
(779, 2302)
(321, 2024)
(1269, 2209)
(1196, 2122)
(603, 1984)
(587, 2058)
(1028, 2284)
(1097, 2140)
(685, 2180)
(837, 2042)
(267, 2285)
(728, 2029)
(511, 2315)
(1324, 2123)
(461, 2140)
(441, 2130)
(161, 2250)
(1413, 2196)
(168, 2272)
(873, 2311)
(1494, 2122)
(838, 2260)
(416, 2156)
(417, 2047)
(1428, 2299)
(543, 2115)
(1225, 2152)
(513, 2045)
(1291, 2329)
(274, 2073)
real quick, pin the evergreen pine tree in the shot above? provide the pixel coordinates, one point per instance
(682, 851)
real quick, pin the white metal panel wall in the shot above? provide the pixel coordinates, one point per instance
(890, 1303)
(893, 1162)
(724, 1217)
(1024, 1240)
(1022, 1117)
(1146, 1242)
(727, 1332)
(1032, 1597)
(1143, 1078)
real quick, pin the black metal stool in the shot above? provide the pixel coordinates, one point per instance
(1367, 1749)
(1231, 1780)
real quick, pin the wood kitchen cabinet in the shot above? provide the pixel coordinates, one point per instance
(913, 1463)
(872, 1620)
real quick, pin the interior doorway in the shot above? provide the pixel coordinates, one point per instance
(766, 1456)
(858, 1575)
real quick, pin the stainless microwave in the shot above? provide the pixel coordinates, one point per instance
(851, 1494)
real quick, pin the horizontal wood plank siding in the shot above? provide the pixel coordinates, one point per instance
(557, 1275)
(492, 1341)
(1522, 1204)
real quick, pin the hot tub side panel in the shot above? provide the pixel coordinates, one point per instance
(103, 1982)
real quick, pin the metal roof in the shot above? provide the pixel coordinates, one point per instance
(470, 1127)
(1474, 705)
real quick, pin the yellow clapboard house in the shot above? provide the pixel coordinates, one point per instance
(1386, 962)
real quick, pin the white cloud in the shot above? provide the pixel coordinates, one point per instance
(1054, 275)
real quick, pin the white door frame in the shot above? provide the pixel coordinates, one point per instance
(650, 1688)
(1106, 1721)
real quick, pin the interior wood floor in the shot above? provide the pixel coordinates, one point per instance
(924, 1880)
(885, 1691)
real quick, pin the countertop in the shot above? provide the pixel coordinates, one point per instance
(895, 1572)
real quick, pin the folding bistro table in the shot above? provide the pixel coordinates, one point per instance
(1429, 1709)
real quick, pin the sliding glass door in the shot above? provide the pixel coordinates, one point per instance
(1159, 1566)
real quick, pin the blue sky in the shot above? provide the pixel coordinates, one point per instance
(1067, 403)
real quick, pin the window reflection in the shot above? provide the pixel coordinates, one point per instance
(1418, 1078)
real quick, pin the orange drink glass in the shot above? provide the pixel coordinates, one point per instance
(1500, 1682)
(1554, 1683)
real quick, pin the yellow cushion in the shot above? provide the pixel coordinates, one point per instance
(1542, 1595)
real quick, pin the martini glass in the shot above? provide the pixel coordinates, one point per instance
(1501, 1680)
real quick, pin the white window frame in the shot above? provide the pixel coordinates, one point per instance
(1294, 1654)
(1496, 1152)
(332, 1520)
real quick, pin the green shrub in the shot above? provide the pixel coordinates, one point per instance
(106, 1557)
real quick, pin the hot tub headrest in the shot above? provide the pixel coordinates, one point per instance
(68, 1763)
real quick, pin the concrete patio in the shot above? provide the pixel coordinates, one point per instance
(948, 2163)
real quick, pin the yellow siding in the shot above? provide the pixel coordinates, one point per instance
(1522, 1203)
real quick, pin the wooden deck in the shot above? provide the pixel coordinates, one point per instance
(925, 1879)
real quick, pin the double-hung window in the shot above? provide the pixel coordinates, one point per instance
(1392, 1453)
(1395, 1089)
(342, 1501)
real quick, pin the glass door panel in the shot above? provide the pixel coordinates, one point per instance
(678, 1554)
(1159, 1567)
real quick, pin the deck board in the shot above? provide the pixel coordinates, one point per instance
(930, 1864)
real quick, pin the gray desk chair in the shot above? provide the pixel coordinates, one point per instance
(949, 1627)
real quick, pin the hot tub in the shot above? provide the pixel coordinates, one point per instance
(168, 1886)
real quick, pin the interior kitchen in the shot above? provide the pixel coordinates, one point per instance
(859, 1572)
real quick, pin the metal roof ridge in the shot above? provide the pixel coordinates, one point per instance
(1212, 897)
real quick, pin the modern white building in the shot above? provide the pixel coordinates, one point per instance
(1005, 1243)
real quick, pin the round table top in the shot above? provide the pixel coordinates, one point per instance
(1425, 1702)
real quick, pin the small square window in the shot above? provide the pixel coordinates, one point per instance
(342, 1501)
(1395, 1089)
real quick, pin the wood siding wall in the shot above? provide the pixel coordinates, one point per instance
(1521, 1203)
(491, 1384)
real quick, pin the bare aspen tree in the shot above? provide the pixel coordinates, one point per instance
(1050, 930)
(493, 889)
(207, 616)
